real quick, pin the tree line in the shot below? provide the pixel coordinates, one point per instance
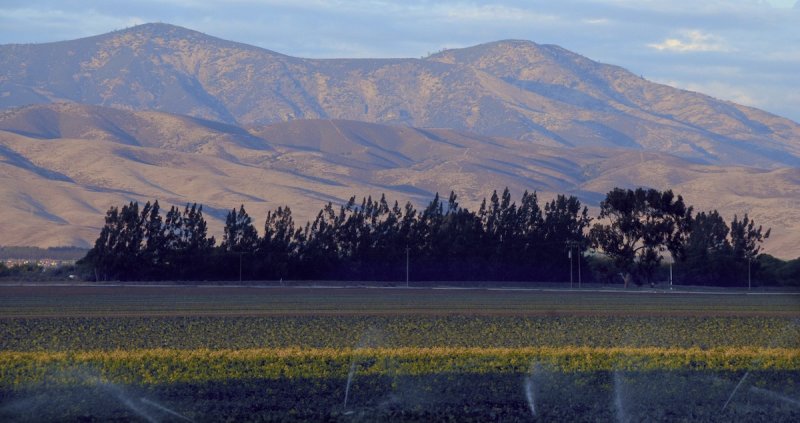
(375, 240)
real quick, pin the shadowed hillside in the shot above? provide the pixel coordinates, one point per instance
(63, 165)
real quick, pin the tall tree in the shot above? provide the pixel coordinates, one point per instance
(118, 252)
(746, 238)
(278, 247)
(563, 227)
(154, 244)
(746, 241)
(239, 234)
(319, 254)
(642, 224)
(707, 251)
(195, 233)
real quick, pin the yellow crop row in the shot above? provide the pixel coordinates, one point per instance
(157, 366)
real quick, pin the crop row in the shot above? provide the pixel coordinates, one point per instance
(691, 395)
(343, 331)
(160, 366)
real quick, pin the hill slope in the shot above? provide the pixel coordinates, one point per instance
(63, 165)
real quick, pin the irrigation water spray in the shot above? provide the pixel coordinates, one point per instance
(370, 338)
(734, 390)
(775, 395)
(166, 410)
(619, 406)
(530, 388)
(349, 380)
(126, 400)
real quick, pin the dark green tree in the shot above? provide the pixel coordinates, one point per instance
(707, 251)
(564, 232)
(155, 251)
(746, 240)
(641, 225)
(118, 251)
(774, 271)
(279, 245)
(319, 254)
(239, 234)
(187, 247)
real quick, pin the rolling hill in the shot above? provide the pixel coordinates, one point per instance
(160, 111)
(60, 173)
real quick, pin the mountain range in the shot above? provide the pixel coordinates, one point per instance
(159, 111)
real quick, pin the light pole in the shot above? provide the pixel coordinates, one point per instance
(749, 283)
(240, 268)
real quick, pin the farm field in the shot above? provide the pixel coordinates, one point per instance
(105, 301)
(363, 354)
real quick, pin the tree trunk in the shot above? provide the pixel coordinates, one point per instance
(626, 279)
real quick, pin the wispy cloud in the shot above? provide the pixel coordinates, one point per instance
(692, 41)
(721, 90)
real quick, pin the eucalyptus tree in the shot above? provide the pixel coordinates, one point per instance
(638, 226)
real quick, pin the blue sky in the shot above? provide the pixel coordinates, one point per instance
(747, 51)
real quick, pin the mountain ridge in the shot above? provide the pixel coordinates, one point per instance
(517, 89)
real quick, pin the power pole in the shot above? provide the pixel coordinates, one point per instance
(580, 256)
(240, 268)
(407, 253)
(670, 275)
(749, 283)
(570, 266)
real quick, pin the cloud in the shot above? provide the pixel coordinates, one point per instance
(721, 90)
(487, 13)
(692, 41)
(596, 21)
(761, 95)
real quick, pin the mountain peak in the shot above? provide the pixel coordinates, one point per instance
(159, 26)
(512, 58)
(163, 32)
(512, 88)
(487, 51)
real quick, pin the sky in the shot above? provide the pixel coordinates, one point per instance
(746, 51)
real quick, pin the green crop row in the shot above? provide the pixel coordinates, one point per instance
(343, 331)
(165, 366)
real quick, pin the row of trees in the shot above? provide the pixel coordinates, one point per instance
(139, 244)
(372, 240)
(642, 227)
(366, 241)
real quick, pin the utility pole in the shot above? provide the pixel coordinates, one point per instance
(570, 266)
(580, 256)
(407, 253)
(749, 283)
(670, 275)
(240, 268)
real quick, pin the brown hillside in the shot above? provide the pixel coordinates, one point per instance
(60, 174)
